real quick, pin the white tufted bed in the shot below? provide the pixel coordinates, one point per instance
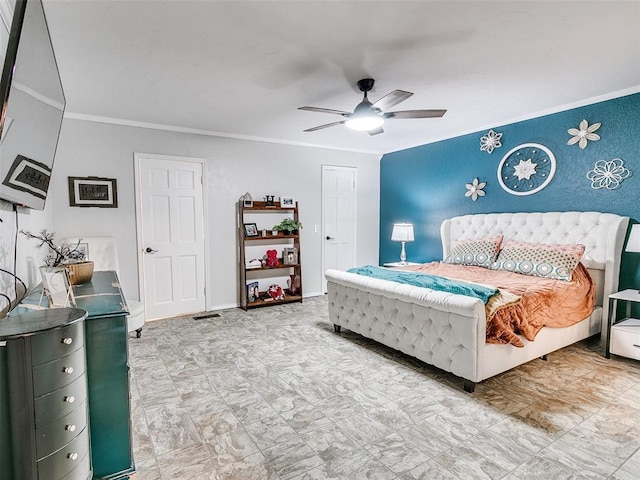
(448, 330)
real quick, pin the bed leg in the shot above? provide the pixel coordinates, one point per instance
(337, 328)
(544, 357)
(469, 386)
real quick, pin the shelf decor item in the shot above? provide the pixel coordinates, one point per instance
(402, 232)
(269, 201)
(288, 225)
(253, 292)
(294, 284)
(247, 200)
(250, 230)
(287, 202)
(290, 256)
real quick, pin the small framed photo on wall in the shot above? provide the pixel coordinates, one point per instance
(290, 256)
(287, 202)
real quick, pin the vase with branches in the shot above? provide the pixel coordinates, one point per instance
(59, 254)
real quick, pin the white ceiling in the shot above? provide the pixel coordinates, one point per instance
(241, 68)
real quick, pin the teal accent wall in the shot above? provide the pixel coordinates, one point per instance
(426, 184)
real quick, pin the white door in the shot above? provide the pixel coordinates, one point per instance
(170, 209)
(338, 219)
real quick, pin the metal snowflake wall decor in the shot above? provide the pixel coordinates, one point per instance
(490, 140)
(583, 133)
(474, 189)
(608, 174)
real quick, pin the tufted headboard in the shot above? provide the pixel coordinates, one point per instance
(602, 234)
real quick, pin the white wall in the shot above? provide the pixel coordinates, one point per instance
(232, 168)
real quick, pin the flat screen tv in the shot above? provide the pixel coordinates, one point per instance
(32, 108)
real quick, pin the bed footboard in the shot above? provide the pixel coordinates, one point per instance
(441, 329)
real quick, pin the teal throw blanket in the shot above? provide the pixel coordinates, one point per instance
(425, 280)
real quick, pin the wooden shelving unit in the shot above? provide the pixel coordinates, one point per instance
(282, 271)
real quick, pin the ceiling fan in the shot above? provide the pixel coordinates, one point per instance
(369, 117)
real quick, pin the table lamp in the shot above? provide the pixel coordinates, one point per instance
(633, 244)
(402, 232)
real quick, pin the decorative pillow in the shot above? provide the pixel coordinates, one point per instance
(539, 259)
(481, 252)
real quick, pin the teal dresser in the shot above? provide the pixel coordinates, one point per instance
(107, 372)
(45, 415)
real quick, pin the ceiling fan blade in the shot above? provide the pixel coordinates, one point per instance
(376, 131)
(324, 110)
(320, 127)
(415, 114)
(391, 99)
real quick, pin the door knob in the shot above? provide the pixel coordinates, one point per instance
(150, 250)
(330, 238)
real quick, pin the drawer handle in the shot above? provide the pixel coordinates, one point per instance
(67, 340)
(70, 399)
(67, 370)
(72, 456)
(637, 346)
(70, 428)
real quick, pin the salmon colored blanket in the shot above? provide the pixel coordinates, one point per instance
(545, 302)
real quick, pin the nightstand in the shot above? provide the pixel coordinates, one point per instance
(623, 338)
(399, 264)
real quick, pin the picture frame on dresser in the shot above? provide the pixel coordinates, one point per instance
(56, 286)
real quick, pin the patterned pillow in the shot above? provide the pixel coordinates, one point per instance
(539, 259)
(481, 252)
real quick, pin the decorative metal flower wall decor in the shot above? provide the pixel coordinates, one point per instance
(608, 174)
(583, 133)
(475, 189)
(490, 140)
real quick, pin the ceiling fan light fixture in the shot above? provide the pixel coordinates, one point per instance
(365, 123)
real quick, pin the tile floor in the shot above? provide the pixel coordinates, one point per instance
(273, 393)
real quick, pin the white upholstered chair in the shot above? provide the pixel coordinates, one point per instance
(104, 255)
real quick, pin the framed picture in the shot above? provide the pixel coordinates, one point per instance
(253, 291)
(286, 202)
(56, 286)
(290, 256)
(93, 192)
(250, 230)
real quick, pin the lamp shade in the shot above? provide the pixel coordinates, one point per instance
(402, 232)
(633, 244)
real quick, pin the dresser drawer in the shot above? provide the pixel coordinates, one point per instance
(52, 406)
(625, 338)
(51, 437)
(54, 375)
(82, 471)
(66, 459)
(51, 345)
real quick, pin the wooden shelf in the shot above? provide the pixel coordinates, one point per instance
(281, 274)
(267, 303)
(261, 207)
(278, 267)
(270, 237)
